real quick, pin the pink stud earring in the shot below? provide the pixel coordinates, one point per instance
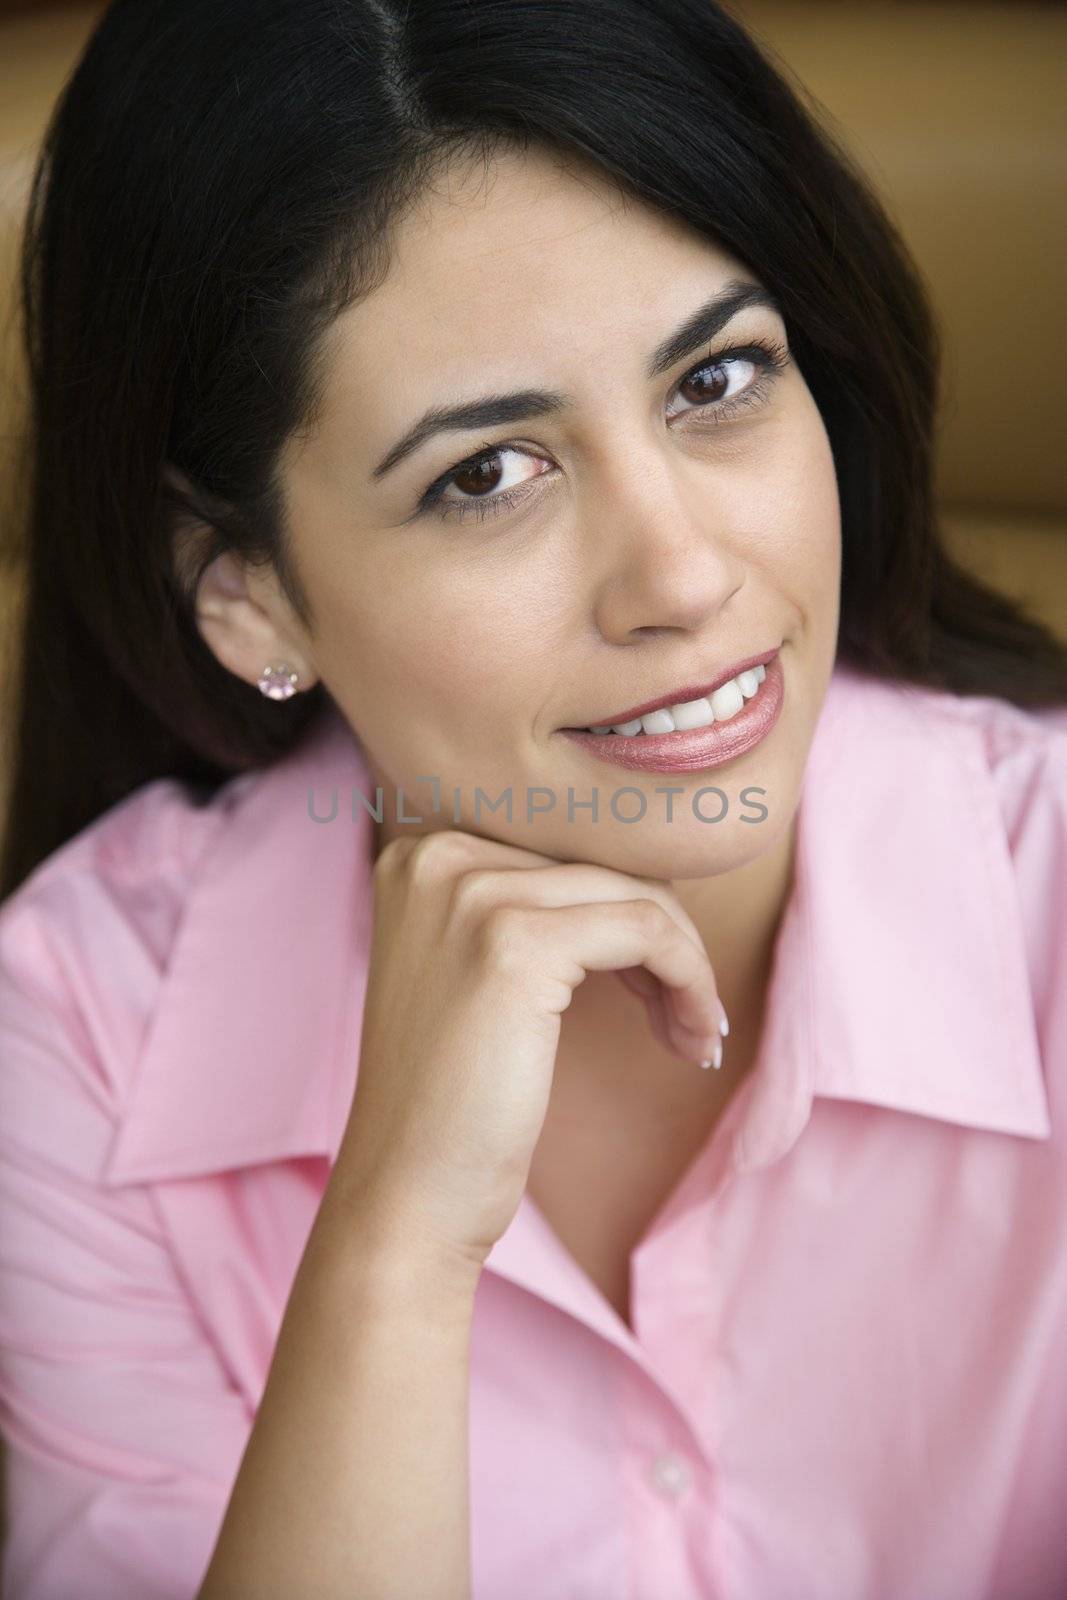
(278, 681)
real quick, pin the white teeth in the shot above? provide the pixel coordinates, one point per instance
(693, 714)
(725, 703)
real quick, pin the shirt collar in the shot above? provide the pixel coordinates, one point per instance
(251, 1051)
(899, 976)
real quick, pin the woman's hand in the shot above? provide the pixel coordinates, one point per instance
(477, 949)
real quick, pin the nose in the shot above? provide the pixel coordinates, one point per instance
(664, 562)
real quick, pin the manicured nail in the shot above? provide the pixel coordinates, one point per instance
(715, 1060)
(724, 1022)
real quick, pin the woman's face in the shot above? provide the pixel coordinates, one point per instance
(644, 535)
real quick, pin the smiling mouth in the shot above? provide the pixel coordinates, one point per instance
(727, 701)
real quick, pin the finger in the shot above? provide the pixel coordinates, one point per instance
(506, 857)
(599, 937)
(555, 882)
(638, 981)
(580, 883)
(666, 1028)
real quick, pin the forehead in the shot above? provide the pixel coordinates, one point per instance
(494, 267)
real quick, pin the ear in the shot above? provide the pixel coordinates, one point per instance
(241, 614)
(189, 527)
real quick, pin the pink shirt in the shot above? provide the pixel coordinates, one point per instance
(849, 1376)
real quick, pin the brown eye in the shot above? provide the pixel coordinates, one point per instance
(484, 484)
(727, 381)
(476, 476)
(706, 389)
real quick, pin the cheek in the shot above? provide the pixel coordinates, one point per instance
(434, 660)
(796, 526)
(814, 511)
(818, 474)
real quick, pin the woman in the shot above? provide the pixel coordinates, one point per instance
(424, 399)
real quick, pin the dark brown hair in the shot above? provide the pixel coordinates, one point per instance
(217, 182)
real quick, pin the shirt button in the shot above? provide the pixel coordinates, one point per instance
(670, 1475)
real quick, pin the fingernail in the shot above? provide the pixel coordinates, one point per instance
(724, 1022)
(715, 1059)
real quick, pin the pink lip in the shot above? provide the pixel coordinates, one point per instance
(694, 749)
(680, 697)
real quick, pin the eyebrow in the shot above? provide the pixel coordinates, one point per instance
(523, 405)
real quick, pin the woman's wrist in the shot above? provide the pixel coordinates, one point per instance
(372, 1247)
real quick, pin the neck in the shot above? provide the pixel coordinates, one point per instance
(737, 916)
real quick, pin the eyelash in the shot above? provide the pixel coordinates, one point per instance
(770, 356)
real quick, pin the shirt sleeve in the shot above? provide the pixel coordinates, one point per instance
(122, 1433)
